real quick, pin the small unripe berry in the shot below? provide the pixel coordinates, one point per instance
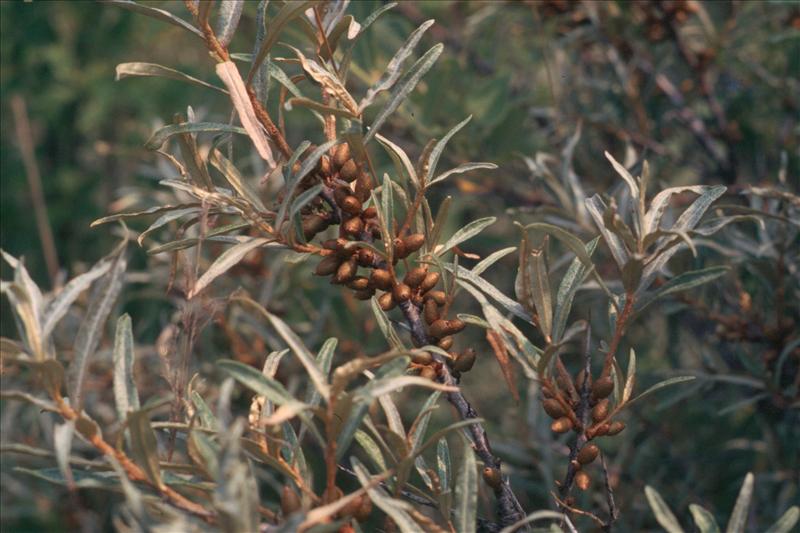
(600, 411)
(437, 296)
(351, 205)
(386, 301)
(465, 361)
(554, 408)
(446, 343)
(582, 480)
(363, 186)
(359, 283)
(422, 358)
(313, 225)
(349, 171)
(381, 279)
(603, 387)
(364, 294)
(615, 428)
(346, 272)
(341, 154)
(588, 453)
(364, 510)
(414, 277)
(438, 329)
(340, 193)
(413, 242)
(366, 257)
(562, 425)
(399, 249)
(370, 212)
(324, 165)
(430, 281)
(428, 373)
(492, 477)
(353, 226)
(431, 311)
(401, 292)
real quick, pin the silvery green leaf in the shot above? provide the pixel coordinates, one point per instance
(59, 305)
(443, 464)
(634, 188)
(681, 282)
(329, 81)
(24, 280)
(597, 207)
(133, 214)
(404, 87)
(324, 361)
(787, 521)
(299, 349)
(466, 492)
(703, 519)
(534, 517)
(236, 493)
(460, 169)
(384, 386)
(393, 70)
(575, 275)
(387, 202)
(235, 178)
(62, 443)
(372, 449)
(433, 159)
(203, 411)
(139, 69)
(540, 291)
(399, 155)
(662, 511)
(385, 325)
(160, 136)
(630, 378)
(661, 201)
(260, 79)
(466, 233)
(125, 394)
(144, 446)
(397, 510)
(738, 520)
(227, 260)
(661, 385)
(492, 291)
(230, 11)
(165, 219)
(256, 381)
(156, 13)
(319, 107)
(104, 295)
(491, 259)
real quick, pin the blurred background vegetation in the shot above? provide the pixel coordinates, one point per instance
(707, 92)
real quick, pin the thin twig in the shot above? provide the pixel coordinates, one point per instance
(22, 128)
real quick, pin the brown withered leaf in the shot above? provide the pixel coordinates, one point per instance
(501, 354)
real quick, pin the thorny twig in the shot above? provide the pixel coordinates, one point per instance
(612, 508)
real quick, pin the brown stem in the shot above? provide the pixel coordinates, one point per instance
(619, 330)
(509, 509)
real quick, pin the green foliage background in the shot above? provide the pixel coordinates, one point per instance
(529, 73)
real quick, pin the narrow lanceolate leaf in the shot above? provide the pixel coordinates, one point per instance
(490, 290)
(139, 69)
(623, 172)
(433, 159)
(161, 135)
(662, 511)
(597, 207)
(385, 325)
(466, 502)
(682, 282)
(104, 295)
(535, 517)
(630, 380)
(661, 385)
(490, 260)
(660, 202)
(738, 519)
(466, 233)
(134, 214)
(299, 349)
(573, 278)
(540, 291)
(230, 76)
(393, 70)
(404, 87)
(786, 522)
(62, 443)
(703, 519)
(460, 169)
(397, 510)
(225, 262)
(156, 13)
(125, 393)
(324, 361)
(256, 381)
(235, 178)
(144, 446)
(308, 165)
(399, 155)
(59, 306)
(230, 11)
(165, 219)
